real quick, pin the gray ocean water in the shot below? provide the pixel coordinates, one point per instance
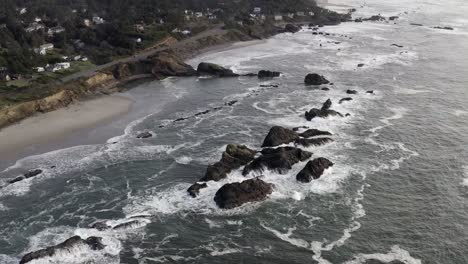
(398, 190)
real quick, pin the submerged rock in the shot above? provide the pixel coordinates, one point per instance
(345, 99)
(268, 74)
(194, 190)
(315, 79)
(396, 45)
(313, 170)
(32, 173)
(278, 136)
(279, 159)
(144, 135)
(215, 69)
(325, 111)
(360, 65)
(94, 243)
(446, 28)
(314, 132)
(370, 92)
(351, 92)
(232, 195)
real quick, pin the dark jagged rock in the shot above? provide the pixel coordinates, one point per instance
(101, 226)
(326, 105)
(325, 111)
(374, 18)
(268, 74)
(358, 20)
(351, 92)
(360, 65)
(396, 45)
(314, 132)
(445, 28)
(231, 103)
(278, 136)
(181, 119)
(234, 157)
(17, 179)
(279, 159)
(291, 28)
(313, 170)
(345, 99)
(94, 243)
(144, 135)
(32, 173)
(348, 114)
(315, 79)
(370, 92)
(194, 190)
(307, 142)
(232, 195)
(269, 85)
(325, 89)
(202, 113)
(416, 24)
(215, 69)
(168, 64)
(393, 18)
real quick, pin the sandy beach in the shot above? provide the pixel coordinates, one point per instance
(57, 124)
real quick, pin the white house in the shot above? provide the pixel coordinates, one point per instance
(37, 19)
(300, 13)
(34, 27)
(77, 57)
(311, 13)
(98, 20)
(55, 30)
(58, 66)
(84, 59)
(23, 10)
(186, 32)
(257, 10)
(198, 14)
(42, 50)
(290, 15)
(138, 40)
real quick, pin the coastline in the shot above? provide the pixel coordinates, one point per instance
(55, 125)
(29, 136)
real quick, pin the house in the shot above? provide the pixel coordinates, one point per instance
(140, 27)
(87, 22)
(257, 10)
(84, 59)
(176, 30)
(186, 32)
(23, 10)
(311, 13)
(55, 30)
(212, 17)
(58, 66)
(77, 58)
(42, 50)
(35, 26)
(38, 69)
(65, 58)
(98, 20)
(138, 40)
(290, 15)
(300, 13)
(37, 19)
(240, 22)
(198, 14)
(278, 18)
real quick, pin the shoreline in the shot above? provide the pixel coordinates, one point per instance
(27, 137)
(56, 125)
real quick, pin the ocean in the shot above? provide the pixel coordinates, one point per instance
(398, 190)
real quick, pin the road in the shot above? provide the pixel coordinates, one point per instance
(145, 54)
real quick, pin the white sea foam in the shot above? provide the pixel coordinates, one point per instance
(396, 253)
